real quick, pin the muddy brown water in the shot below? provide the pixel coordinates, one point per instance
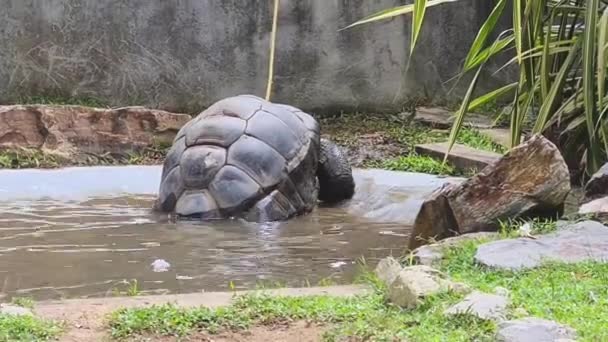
(85, 232)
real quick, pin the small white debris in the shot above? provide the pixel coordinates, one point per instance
(525, 230)
(160, 265)
(183, 277)
(392, 233)
(337, 264)
(150, 244)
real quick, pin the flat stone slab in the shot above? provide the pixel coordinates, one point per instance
(534, 330)
(431, 254)
(461, 156)
(599, 205)
(482, 305)
(587, 240)
(442, 118)
(501, 136)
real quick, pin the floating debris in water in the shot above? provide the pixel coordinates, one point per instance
(183, 277)
(160, 265)
(392, 233)
(337, 264)
(150, 244)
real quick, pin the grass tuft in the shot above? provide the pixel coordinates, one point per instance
(28, 158)
(27, 328)
(32, 158)
(63, 101)
(474, 138)
(24, 302)
(416, 163)
(365, 317)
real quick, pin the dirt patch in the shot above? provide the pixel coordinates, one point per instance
(369, 139)
(86, 319)
(294, 332)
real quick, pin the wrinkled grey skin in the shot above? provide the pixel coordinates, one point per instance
(250, 158)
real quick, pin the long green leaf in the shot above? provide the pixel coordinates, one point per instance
(488, 53)
(574, 124)
(418, 18)
(517, 29)
(545, 80)
(393, 12)
(522, 110)
(481, 100)
(602, 60)
(483, 33)
(567, 108)
(461, 113)
(554, 48)
(515, 125)
(602, 114)
(549, 103)
(589, 43)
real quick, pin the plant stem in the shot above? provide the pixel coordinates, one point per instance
(272, 48)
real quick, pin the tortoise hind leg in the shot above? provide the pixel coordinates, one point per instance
(336, 182)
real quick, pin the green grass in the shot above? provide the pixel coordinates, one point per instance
(365, 317)
(24, 302)
(27, 328)
(394, 138)
(33, 158)
(28, 158)
(347, 129)
(573, 294)
(63, 101)
(416, 163)
(474, 138)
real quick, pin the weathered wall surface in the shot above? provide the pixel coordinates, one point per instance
(186, 54)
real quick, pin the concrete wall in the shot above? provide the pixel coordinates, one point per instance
(186, 54)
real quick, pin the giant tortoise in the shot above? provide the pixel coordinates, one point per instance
(245, 157)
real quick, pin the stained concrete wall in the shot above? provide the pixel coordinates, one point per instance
(185, 54)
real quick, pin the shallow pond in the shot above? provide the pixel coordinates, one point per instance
(82, 232)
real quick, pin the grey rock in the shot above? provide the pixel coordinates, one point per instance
(414, 283)
(581, 241)
(387, 270)
(442, 118)
(433, 253)
(533, 329)
(428, 255)
(482, 305)
(596, 206)
(597, 186)
(461, 156)
(13, 310)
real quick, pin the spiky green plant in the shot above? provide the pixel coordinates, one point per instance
(560, 49)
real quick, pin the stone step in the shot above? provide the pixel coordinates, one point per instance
(461, 156)
(501, 136)
(442, 118)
